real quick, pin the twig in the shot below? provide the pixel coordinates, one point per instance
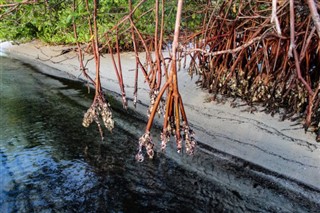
(274, 17)
(315, 15)
(292, 30)
(231, 51)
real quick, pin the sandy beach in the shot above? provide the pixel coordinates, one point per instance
(281, 147)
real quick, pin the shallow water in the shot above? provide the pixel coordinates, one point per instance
(50, 163)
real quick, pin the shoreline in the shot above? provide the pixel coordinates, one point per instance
(259, 138)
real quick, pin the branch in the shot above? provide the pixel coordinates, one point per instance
(126, 17)
(292, 48)
(297, 63)
(235, 50)
(292, 44)
(274, 17)
(19, 3)
(79, 50)
(315, 15)
(15, 6)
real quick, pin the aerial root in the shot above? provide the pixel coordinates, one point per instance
(175, 124)
(99, 107)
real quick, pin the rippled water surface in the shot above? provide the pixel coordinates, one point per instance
(50, 163)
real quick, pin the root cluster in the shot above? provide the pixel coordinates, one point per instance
(242, 52)
(154, 70)
(99, 108)
(264, 52)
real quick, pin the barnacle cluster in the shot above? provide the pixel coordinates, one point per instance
(253, 63)
(153, 95)
(146, 142)
(190, 142)
(102, 108)
(171, 128)
(165, 137)
(188, 137)
(259, 91)
(89, 116)
(135, 100)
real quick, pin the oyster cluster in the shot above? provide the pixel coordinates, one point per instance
(190, 142)
(165, 137)
(153, 97)
(102, 108)
(146, 142)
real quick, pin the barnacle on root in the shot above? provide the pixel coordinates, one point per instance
(153, 95)
(102, 108)
(190, 142)
(165, 136)
(146, 142)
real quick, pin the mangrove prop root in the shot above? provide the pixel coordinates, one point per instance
(175, 121)
(99, 108)
(264, 52)
(155, 67)
(145, 141)
(99, 105)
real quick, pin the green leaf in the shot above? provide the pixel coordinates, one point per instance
(69, 19)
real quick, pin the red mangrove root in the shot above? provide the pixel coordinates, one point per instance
(175, 120)
(99, 108)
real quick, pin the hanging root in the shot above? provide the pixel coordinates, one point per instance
(98, 108)
(175, 124)
(145, 141)
(189, 140)
(153, 95)
(175, 119)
